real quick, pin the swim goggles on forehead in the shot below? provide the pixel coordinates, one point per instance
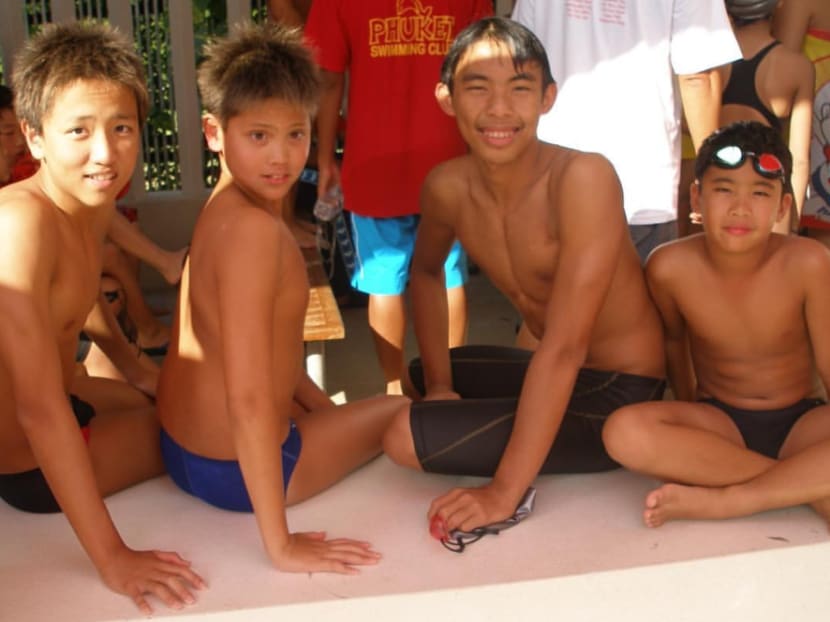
(458, 540)
(765, 164)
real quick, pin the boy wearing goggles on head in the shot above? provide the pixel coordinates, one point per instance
(749, 431)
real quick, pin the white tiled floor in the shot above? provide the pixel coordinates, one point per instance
(582, 555)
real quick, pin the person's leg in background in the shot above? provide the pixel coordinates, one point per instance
(383, 250)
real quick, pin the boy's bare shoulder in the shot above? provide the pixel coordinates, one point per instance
(26, 213)
(572, 171)
(672, 260)
(448, 174)
(445, 184)
(232, 221)
(805, 256)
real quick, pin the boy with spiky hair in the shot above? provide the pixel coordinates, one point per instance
(749, 431)
(81, 97)
(243, 427)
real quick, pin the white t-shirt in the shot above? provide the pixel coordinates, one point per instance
(615, 63)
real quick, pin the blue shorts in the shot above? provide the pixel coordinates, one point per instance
(383, 249)
(220, 482)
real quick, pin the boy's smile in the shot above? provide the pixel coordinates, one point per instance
(739, 207)
(89, 142)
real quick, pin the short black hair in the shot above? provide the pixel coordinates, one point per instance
(749, 136)
(524, 47)
(6, 98)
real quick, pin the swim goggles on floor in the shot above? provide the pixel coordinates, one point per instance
(457, 540)
(765, 164)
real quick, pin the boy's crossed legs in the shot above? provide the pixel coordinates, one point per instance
(701, 448)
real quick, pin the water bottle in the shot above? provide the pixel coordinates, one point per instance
(329, 205)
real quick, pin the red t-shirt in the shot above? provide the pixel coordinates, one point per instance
(395, 131)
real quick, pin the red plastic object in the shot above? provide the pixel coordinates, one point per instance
(438, 528)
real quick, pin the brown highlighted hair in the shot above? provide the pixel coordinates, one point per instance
(255, 63)
(61, 54)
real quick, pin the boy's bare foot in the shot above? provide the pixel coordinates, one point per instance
(822, 508)
(675, 501)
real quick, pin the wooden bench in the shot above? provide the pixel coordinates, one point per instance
(322, 319)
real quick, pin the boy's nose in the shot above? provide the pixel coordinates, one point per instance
(498, 104)
(102, 147)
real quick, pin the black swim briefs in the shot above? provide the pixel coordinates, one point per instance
(765, 431)
(28, 491)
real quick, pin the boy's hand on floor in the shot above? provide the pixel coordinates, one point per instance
(312, 552)
(162, 574)
(468, 508)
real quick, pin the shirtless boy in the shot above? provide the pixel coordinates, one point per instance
(232, 387)
(81, 97)
(743, 339)
(546, 225)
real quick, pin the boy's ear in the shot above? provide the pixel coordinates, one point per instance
(784, 207)
(694, 202)
(213, 132)
(444, 97)
(548, 97)
(33, 139)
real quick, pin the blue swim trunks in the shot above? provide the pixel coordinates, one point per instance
(383, 249)
(220, 482)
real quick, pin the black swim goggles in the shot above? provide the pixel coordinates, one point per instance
(765, 164)
(458, 540)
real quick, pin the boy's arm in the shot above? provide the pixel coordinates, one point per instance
(801, 124)
(138, 369)
(31, 358)
(791, 21)
(660, 274)
(428, 292)
(283, 11)
(816, 273)
(701, 97)
(131, 239)
(591, 229)
(309, 395)
(260, 387)
(328, 121)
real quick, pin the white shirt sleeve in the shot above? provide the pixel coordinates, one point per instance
(702, 36)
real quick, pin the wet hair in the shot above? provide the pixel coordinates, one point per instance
(745, 12)
(6, 98)
(749, 136)
(61, 54)
(256, 63)
(523, 45)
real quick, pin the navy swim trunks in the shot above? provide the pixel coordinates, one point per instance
(220, 482)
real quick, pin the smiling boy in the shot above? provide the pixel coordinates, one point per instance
(81, 97)
(244, 428)
(546, 225)
(744, 337)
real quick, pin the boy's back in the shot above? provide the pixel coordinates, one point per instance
(231, 236)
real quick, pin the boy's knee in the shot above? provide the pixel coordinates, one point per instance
(398, 443)
(625, 434)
